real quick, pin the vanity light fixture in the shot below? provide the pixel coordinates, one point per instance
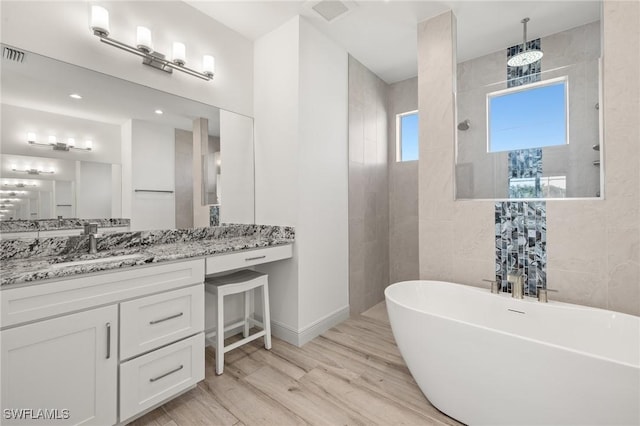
(19, 185)
(31, 171)
(525, 57)
(59, 146)
(144, 48)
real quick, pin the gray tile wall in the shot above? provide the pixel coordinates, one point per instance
(368, 188)
(403, 190)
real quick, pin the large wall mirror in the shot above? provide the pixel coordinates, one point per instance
(78, 143)
(531, 131)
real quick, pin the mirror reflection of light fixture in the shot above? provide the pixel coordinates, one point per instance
(144, 48)
(525, 57)
(19, 185)
(59, 146)
(32, 171)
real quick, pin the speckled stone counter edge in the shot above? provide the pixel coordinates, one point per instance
(55, 224)
(32, 248)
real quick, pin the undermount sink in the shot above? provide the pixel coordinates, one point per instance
(100, 260)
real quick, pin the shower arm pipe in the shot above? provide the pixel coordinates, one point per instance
(524, 34)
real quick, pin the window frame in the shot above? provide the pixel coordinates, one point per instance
(399, 136)
(526, 87)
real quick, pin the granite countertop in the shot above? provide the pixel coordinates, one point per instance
(15, 226)
(149, 248)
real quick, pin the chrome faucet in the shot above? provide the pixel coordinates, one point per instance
(495, 286)
(516, 278)
(91, 229)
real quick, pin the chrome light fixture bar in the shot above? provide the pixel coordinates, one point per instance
(19, 185)
(144, 48)
(32, 171)
(525, 57)
(59, 146)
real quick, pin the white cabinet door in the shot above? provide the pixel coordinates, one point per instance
(66, 366)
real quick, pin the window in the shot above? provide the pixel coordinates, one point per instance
(531, 116)
(407, 136)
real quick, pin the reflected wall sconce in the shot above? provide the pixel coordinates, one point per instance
(31, 171)
(59, 146)
(18, 185)
(144, 48)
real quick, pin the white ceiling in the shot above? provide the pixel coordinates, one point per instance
(383, 34)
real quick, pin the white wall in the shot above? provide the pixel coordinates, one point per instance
(94, 190)
(276, 137)
(60, 29)
(322, 229)
(152, 159)
(302, 173)
(236, 164)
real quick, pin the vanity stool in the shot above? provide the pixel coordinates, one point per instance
(239, 282)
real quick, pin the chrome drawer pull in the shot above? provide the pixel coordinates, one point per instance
(108, 340)
(166, 319)
(153, 379)
(255, 258)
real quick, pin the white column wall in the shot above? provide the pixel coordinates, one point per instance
(302, 173)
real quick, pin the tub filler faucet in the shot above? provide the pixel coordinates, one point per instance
(516, 278)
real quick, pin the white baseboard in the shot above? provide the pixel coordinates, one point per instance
(308, 333)
(290, 335)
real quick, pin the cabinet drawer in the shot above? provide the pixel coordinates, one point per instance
(154, 321)
(152, 378)
(227, 262)
(45, 300)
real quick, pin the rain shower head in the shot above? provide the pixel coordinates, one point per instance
(464, 125)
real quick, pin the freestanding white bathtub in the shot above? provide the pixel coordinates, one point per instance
(487, 359)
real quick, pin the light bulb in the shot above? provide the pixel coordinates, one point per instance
(208, 65)
(52, 140)
(100, 21)
(31, 137)
(179, 53)
(88, 145)
(144, 39)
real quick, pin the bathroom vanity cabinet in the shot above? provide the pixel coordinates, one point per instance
(68, 364)
(107, 347)
(80, 345)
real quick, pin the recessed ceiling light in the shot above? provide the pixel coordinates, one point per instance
(158, 111)
(75, 96)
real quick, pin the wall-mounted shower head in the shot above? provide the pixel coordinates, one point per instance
(464, 125)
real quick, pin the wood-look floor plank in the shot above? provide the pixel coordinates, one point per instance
(248, 404)
(353, 374)
(312, 407)
(198, 407)
(350, 396)
(157, 417)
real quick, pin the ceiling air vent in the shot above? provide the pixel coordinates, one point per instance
(12, 54)
(330, 9)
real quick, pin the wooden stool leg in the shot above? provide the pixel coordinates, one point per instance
(247, 313)
(266, 316)
(220, 334)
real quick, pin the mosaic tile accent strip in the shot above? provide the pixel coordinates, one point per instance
(517, 76)
(525, 171)
(521, 243)
(214, 215)
(525, 166)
